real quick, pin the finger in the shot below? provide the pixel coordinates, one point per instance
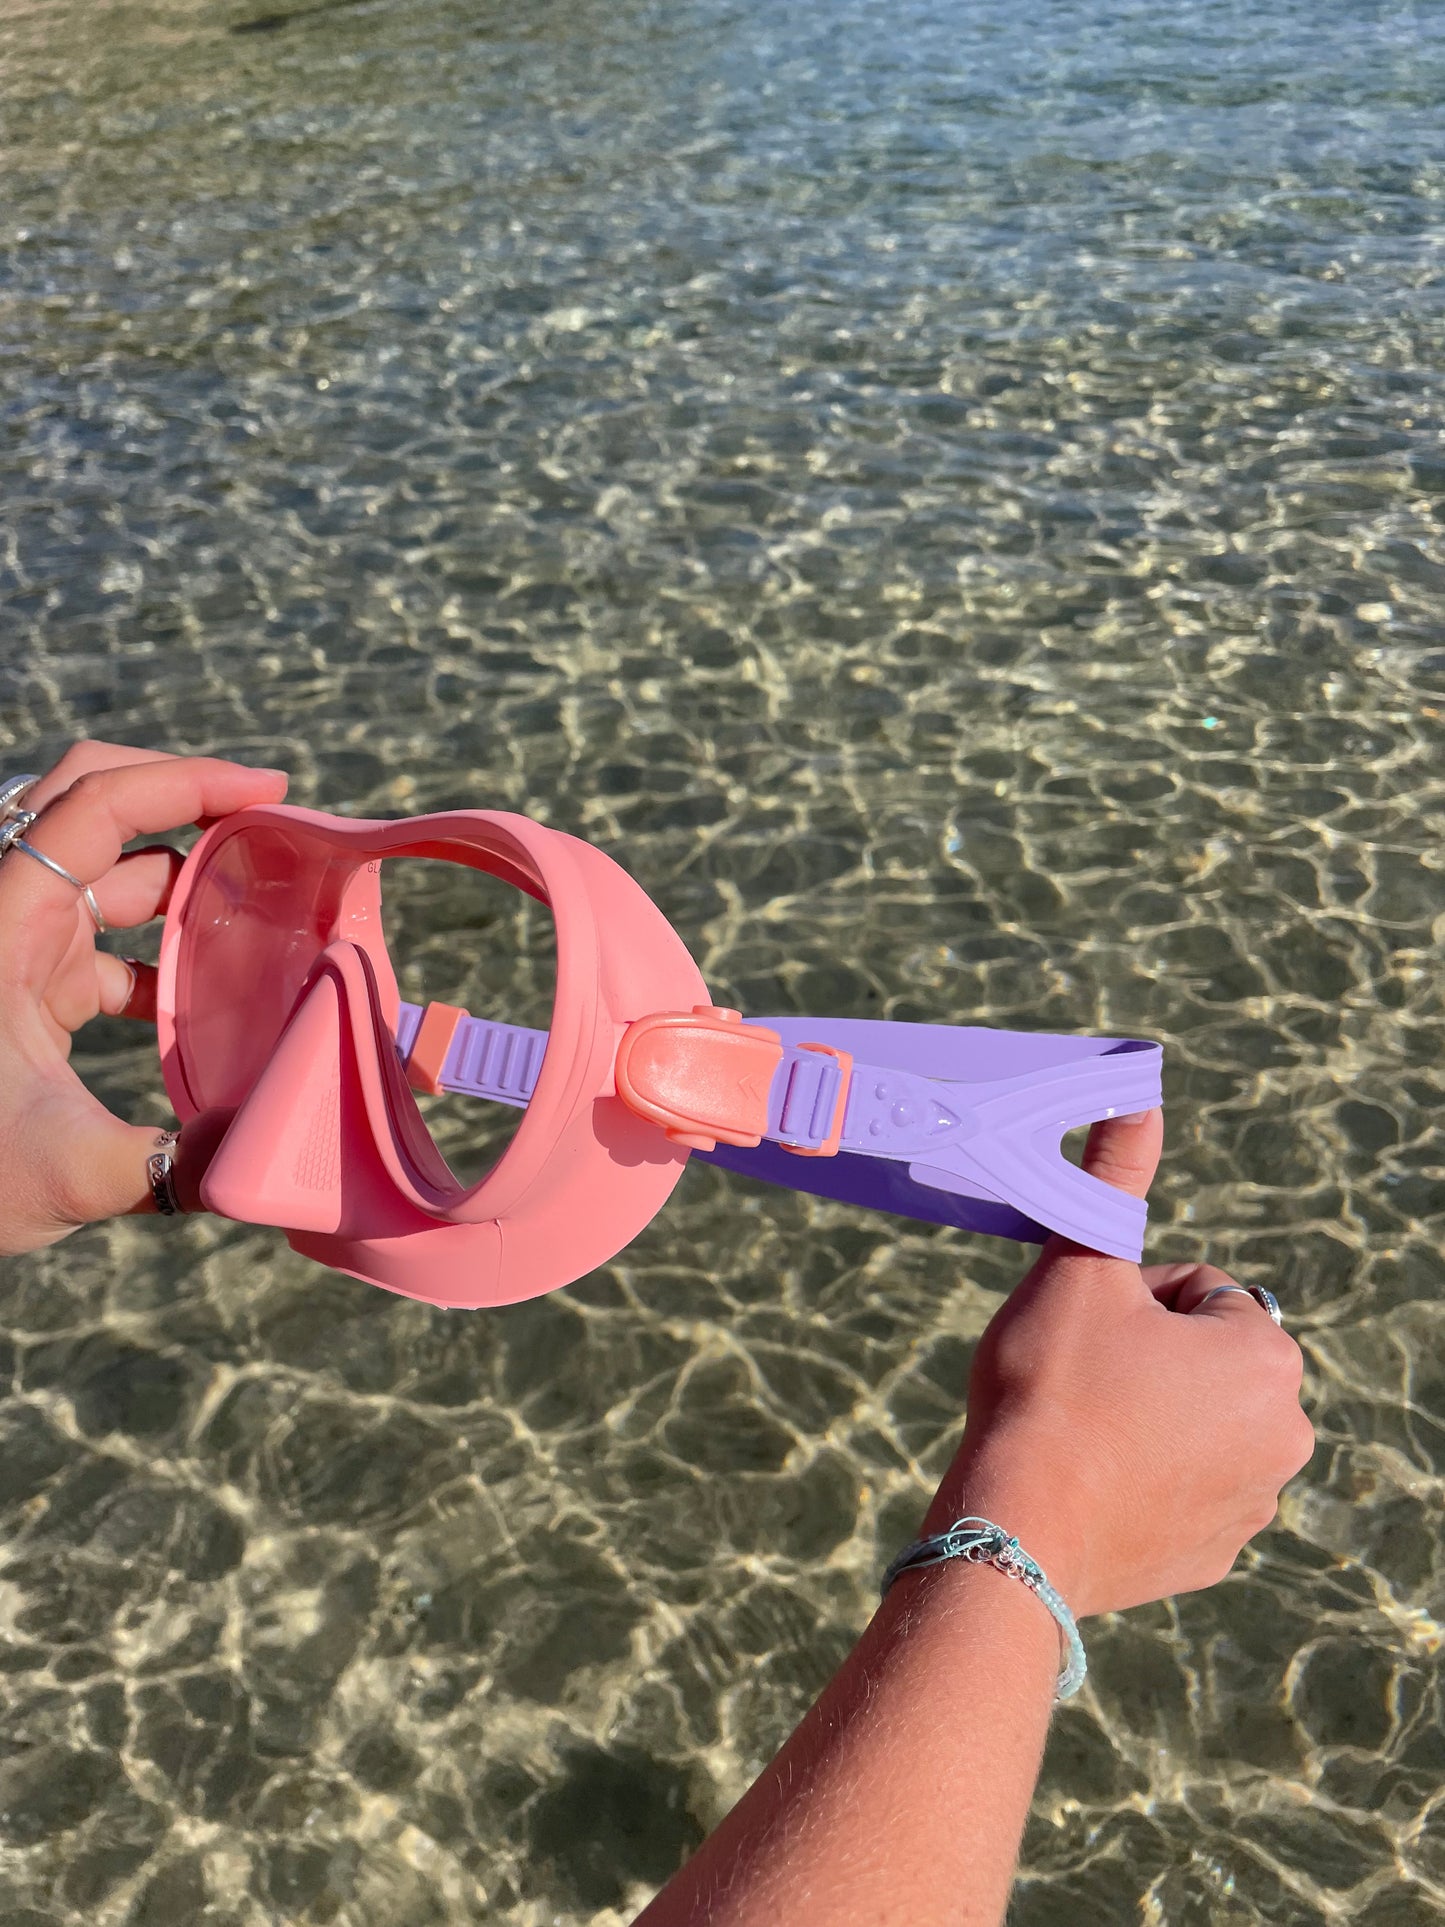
(1168, 1282)
(127, 987)
(1193, 1296)
(106, 1174)
(1234, 1306)
(79, 760)
(87, 827)
(93, 1166)
(85, 830)
(139, 887)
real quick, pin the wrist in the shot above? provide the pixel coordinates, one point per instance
(1027, 1491)
(977, 1539)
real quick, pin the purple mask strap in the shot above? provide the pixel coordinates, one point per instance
(950, 1124)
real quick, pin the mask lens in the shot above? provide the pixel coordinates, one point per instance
(271, 899)
(458, 936)
(265, 906)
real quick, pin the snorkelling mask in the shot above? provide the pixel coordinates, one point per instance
(278, 1004)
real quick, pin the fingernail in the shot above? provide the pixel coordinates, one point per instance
(1133, 1117)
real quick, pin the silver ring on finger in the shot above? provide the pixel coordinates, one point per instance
(1261, 1297)
(59, 869)
(160, 1174)
(12, 788)
(13, 825)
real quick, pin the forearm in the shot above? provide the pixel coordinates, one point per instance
(902, 1796)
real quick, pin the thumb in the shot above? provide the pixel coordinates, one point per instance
(108, 1176)
(1124, 1152)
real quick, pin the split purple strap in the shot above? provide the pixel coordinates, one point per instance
(946, 1123)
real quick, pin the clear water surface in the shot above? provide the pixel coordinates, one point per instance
(952, 495)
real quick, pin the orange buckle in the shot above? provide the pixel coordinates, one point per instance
(703, 1075)
(829, 1147)
(429, 1047)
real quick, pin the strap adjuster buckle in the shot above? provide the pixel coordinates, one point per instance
(834, 1133)
(703, 1075)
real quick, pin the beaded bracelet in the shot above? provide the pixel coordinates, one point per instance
(981, 1542)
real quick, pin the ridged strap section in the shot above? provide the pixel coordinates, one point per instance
(497, 1061)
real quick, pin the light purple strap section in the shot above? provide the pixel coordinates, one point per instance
(957, 1124)
(980, 1126)
(408, 1024)
(498, 1061)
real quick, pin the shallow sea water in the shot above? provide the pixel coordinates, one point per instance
(952, 496)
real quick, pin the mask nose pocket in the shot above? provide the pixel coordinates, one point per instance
(280, 1162)
(300, 1152)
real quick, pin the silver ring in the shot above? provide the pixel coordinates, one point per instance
(11, 791)
(160, 1173)
(13, 826)
(1261, 1297)
(59, 869)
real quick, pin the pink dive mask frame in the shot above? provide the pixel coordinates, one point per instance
(278, 1008)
